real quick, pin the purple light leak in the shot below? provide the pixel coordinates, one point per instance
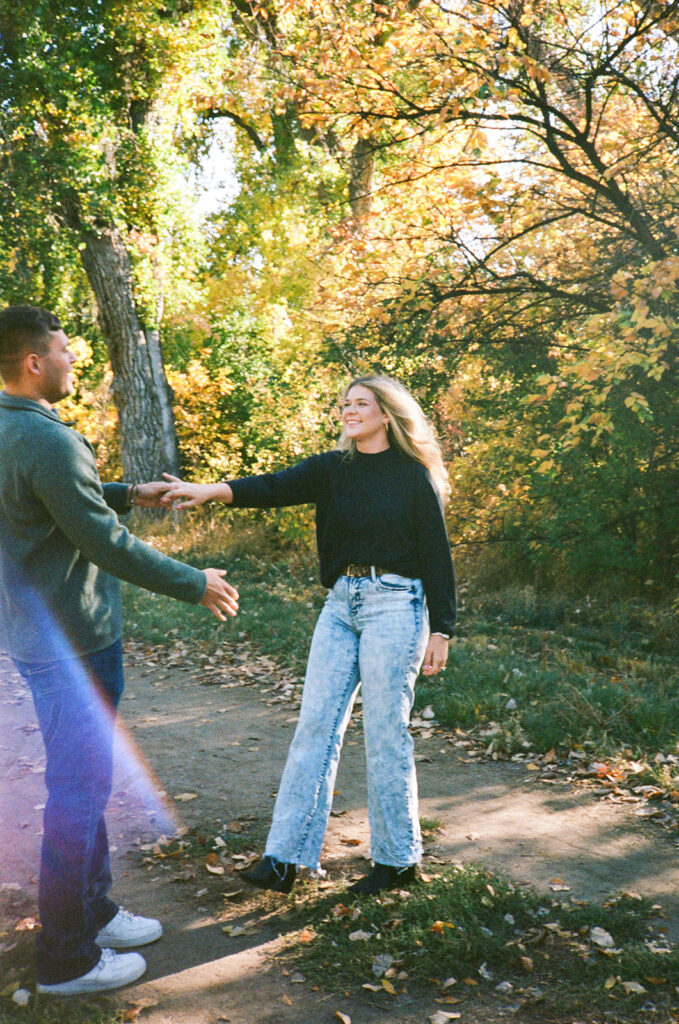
(137, 793)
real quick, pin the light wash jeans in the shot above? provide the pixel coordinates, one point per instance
(375, 630)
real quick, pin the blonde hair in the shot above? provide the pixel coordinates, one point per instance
(409, 429)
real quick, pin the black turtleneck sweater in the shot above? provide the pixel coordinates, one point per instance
(371, 509)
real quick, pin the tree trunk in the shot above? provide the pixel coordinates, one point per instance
(142, 395)
(361, 179)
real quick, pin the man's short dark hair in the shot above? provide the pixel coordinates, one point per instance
(23, 329)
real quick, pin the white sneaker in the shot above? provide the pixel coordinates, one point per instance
(126, 931)
(113, 971)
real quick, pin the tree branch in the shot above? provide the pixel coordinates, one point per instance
(213, 113)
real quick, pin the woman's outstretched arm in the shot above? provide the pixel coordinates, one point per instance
(193, 494)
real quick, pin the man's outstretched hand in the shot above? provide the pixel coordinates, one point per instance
(220, 597)
(148, 495)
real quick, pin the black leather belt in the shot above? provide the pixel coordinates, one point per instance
(363, 570)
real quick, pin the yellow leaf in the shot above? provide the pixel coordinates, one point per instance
(388, 987)
(438, 927)
(233, 930)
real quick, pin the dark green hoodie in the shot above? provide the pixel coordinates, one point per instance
(61, 545)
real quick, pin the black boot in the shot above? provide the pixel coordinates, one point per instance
(383, 876)
(271, 874)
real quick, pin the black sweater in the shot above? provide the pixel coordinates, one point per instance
(373, 509)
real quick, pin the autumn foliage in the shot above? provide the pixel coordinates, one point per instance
(478, 197)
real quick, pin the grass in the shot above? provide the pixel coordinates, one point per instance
(279, 598)
(531, 672)
(467, 928)
(542, 671)
(17, 914)
(189, 853)
(197, 844)
(559, 676)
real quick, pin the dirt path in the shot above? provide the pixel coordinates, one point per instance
(226, 743)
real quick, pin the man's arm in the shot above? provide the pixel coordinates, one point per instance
(65, 479)
(117, 497)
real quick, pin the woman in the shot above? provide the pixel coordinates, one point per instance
(383, 550)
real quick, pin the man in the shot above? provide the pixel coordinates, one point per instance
(61, 545)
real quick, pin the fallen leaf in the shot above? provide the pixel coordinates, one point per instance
(26, 924)
(600, 937)
(343, 1017)
(287, 1000)
(21, 997)
(611, 982)
(297, 979)
(145, 1004)
(185, 797)
(371, 987)
(442, 1016)
(448, 983)
(388, 987)
(306, 935)
(381, 963)
(631, 987)
(233, 930)
(215, 869)
(527, 963)
(359, 935)
(347, 841)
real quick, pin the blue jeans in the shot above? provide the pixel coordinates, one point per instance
(75, 701)
(375, 630)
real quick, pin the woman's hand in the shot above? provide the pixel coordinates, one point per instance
(194, 494)
(436, 655)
